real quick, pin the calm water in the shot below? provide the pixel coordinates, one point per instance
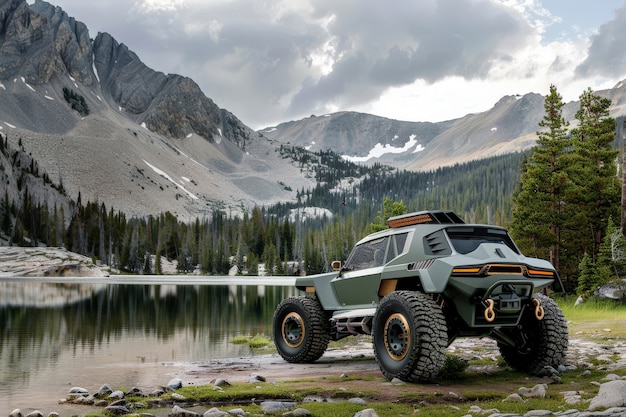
(55, 335)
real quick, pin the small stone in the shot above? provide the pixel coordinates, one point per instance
(118, 402)
(53, 414)
(181, 412)
(104, 391)
(254, 379)
(538, 390)
(215, 412)
(514, 398)
(368, 412)
(116, 395)
(178, 397)
(175, 384)
(237, 412)
(157, 393)
(117, 410)
(359, 401)
(220, 382)
(100, 403)
(298, 412)
(35, 413)
(275, 406)
(538, 413)
(78, 390)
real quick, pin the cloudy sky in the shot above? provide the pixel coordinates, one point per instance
(270, 61)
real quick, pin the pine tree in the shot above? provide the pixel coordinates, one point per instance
(538, 206)
(593, 171)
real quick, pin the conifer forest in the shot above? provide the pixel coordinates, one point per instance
(560, 200)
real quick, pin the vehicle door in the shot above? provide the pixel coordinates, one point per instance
(357, 286)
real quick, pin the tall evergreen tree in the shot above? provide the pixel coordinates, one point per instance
(596, 194)
(538, 210)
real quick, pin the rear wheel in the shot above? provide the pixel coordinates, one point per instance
(538, 343)
(301, 329)
(409, 334)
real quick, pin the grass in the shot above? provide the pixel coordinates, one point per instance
(452, 395)
(596, 319)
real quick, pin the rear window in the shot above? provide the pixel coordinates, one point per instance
(468, 239)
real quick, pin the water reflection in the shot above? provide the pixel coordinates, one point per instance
(52, 334)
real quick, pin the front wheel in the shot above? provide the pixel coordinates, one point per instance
(538, 343)
(301, 329)
(409, 334)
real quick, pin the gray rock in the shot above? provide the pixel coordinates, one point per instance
(117, 409)
(237, 412)
(35, 413)
(612, 291)
(104, 391)
(157, 393)
(539, 390)
(221, 382)
(611, 394)
(116, 395)
(514, 398)
(215, 412)
(538, 413)
(298, 412)
(368, 412)
(78, 390)
(276, 406)
(178, 397)
(181, 412)
(53, 414)
(256, 379)
(359, 401)
(175, 384)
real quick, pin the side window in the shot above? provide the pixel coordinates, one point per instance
(396, 246)
(368, 254)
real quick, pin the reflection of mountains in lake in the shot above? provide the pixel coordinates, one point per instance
(41, 324)
(95, 311)
(40, 294)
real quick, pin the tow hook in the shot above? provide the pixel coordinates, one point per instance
(539, 313)
(490, 315)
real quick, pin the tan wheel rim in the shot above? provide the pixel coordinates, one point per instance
(293, 330)
(397, 336)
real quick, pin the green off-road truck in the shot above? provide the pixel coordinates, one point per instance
(419, 285)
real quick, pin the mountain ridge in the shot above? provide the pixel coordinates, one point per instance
(153, 142)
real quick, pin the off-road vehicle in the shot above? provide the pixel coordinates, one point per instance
(419, 285)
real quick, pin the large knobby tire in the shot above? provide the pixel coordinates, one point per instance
(539, 343)
(301, 329)
(409, 334)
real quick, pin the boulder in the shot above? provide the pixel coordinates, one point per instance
(611, 394)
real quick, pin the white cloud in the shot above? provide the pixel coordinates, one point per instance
(279, 60)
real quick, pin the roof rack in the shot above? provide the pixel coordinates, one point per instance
(425, 217)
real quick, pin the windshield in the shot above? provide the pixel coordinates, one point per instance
(468, 239)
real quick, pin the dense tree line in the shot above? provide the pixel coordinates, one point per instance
(543, 195)
(569, 187)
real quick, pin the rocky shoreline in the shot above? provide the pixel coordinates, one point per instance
(584, 356)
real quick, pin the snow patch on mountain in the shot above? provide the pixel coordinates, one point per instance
(167, 177)
(379, 150)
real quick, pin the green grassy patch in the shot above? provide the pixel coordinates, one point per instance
(596, 319)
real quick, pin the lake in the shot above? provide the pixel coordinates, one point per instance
(59, 333)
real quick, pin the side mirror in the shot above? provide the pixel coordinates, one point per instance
(336, 265)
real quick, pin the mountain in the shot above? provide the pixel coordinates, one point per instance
(137, 139)
(105, 127)
(509, 126)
